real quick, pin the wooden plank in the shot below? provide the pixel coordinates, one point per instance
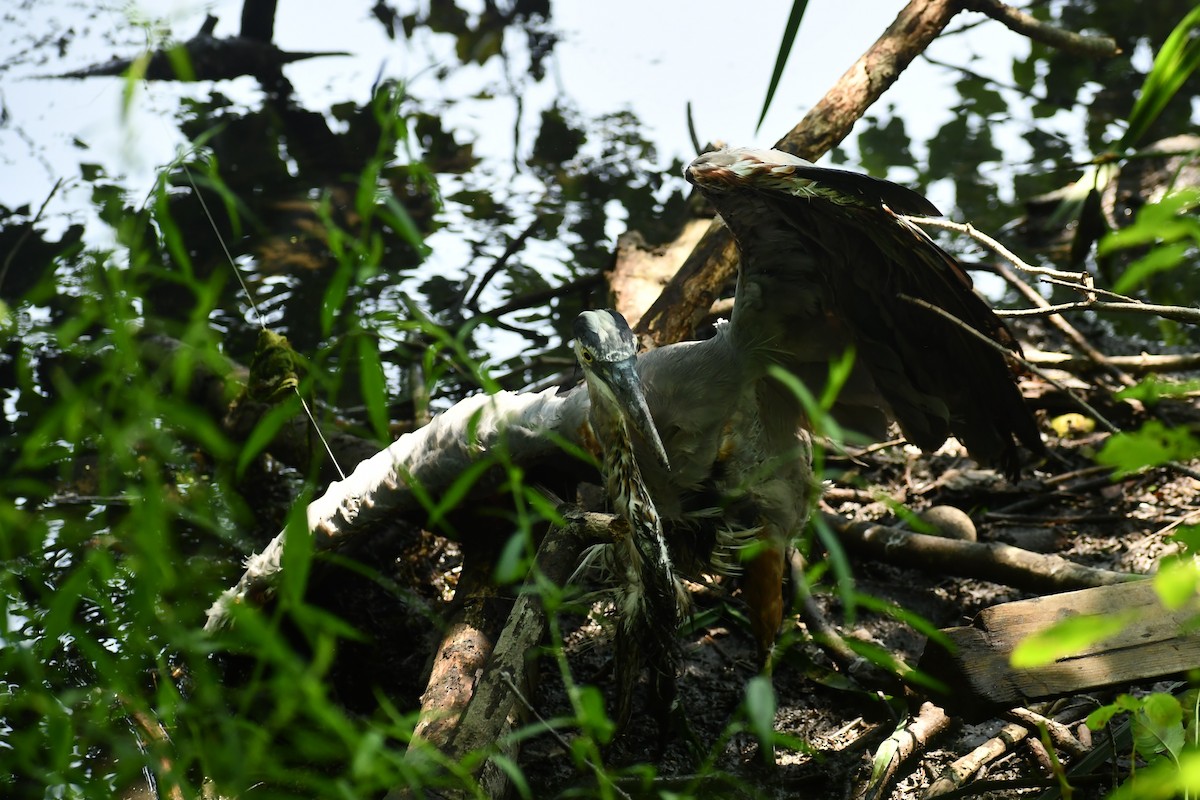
(1155, 643)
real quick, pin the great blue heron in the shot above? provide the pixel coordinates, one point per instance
(651, 600)
(723, 453)
(826, 264)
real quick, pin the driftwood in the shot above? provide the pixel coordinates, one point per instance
(1154, 643)
(991, 561)
(416, 469)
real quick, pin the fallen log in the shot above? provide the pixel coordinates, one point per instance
(990, 561)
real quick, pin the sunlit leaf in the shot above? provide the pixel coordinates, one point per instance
(513, 562)
(1153, 388)
(1176, 582)
(1070, 637)
(374, 387)
(593, 717)
(1189, 537)
(1152, 444)
(1175, 62)
(181, 62)
(1161, 259)
(264, 433)
(1158, 725)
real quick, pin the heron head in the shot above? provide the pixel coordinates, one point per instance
(607, 353)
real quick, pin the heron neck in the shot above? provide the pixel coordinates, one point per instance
(626, 487)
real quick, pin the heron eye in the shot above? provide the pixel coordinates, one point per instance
(586, 356)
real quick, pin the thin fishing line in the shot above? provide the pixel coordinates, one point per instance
(261, 319)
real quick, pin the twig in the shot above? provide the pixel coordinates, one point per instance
(1059, 734)
(1177, 313)
(1101, 420)
(1146, 362)
(1090, 289)
(1085, 472)
(1060, 322)
(1019, 22)
(957, 774)
(1068, 493)
(511, 250)
(993, 245)
(1079, 281)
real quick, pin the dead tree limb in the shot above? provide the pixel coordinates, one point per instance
(412, 471)
(1027, 25)
(494, 709)
(991, 561)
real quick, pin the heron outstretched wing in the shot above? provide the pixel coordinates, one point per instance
(827, 262)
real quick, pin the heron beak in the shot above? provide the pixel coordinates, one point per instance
(628, 390)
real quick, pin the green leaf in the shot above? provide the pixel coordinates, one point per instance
(1189, 537)
(263, 434)
(181, 63)
(458, 490)
(593, 719)
(1154, 388)
(1176, 581)
(785, 49)
(1150, 445)
(1158, 725)
(513, 770)
(374, 388)
(1174, 64)
(512, 564)
(1072, 636)
(760, 709)
(1160, 259)
(399, 220)
(297, 554)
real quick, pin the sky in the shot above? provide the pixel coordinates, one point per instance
(652, 58)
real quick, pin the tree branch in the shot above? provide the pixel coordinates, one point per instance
(1069, 42)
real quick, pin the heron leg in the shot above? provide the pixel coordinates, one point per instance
(762, 588)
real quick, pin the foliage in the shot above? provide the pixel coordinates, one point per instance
(126, 504)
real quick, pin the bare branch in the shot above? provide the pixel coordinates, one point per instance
(995, 246)
(1139, 364)
(1025, 24)
(1177, 313)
